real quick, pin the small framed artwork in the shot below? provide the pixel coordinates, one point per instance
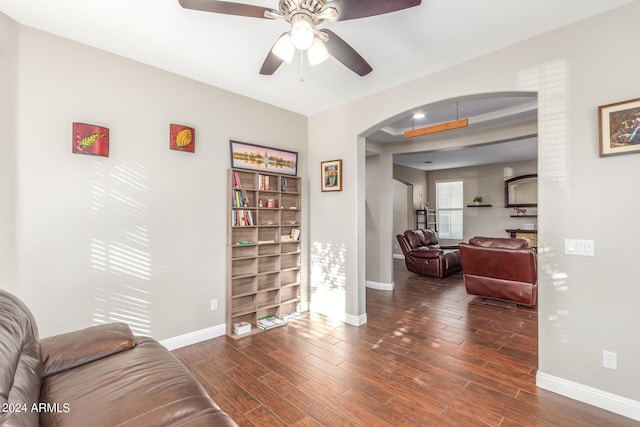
(619, 125)
(331, 175)
(90, 139)
(182, 138)
(263, 159)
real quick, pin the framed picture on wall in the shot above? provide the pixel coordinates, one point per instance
(263, 159)
(331, 175)
(619, 125)
(182, 138)
(90, 139)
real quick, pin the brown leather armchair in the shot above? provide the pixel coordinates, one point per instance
(99, 376)
(500, 268)
(424, 255)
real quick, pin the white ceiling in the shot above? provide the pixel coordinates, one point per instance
(227, 51)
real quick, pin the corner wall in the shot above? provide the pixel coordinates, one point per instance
(139, 236)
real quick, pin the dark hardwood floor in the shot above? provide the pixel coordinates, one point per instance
(429, 356)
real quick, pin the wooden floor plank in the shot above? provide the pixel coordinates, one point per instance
(430, 355)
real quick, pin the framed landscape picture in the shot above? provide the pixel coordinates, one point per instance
(331, 175)
(619, 125)
(263, 159)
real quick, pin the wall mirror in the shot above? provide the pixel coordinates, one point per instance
(521, 191)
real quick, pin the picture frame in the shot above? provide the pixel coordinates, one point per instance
(182, 138)
(619, 126)
(331, 179)
(90, 139)
(263, 159)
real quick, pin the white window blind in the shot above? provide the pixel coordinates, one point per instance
(449, 205)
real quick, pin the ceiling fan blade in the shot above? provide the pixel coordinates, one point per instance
(271, 63)
(226, 7)
(344, 53)
(353, 9)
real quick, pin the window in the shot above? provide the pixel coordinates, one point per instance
(449, 205)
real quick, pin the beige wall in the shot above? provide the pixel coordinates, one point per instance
(586, 304)
(140, 235)
(417, 178)
(8, 106)
(488, 182)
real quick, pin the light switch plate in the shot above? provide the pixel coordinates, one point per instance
(579, 247)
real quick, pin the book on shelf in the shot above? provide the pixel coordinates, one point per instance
(235, 180)
(263, 182)
(240, 199)
(295, 234)
(240, 328)
(241, 218)
(270, 322)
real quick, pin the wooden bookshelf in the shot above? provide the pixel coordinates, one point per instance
(263, 260)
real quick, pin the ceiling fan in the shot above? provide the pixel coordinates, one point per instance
(304, 17)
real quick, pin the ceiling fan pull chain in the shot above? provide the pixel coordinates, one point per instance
(301, 67)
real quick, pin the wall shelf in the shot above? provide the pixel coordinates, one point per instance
(479, 206)
(524, 216)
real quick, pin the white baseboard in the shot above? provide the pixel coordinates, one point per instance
(355, 320)
(347, 318)
(380, 286)
(194, 337)
(398, 256)
(220, 330)
(593, 396)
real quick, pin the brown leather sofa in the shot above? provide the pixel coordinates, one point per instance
(99, 376)
(500, 268)
(424, 255)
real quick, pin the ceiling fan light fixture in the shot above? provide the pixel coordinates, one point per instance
(284, 48)
(328, 14)
(317, 53)
(302, 34)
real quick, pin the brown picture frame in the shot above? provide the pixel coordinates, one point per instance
(331, 175)
(619, 125)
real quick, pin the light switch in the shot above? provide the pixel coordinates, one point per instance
(579, 247)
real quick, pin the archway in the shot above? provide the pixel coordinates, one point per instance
(496, 121)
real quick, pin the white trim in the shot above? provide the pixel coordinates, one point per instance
(355, 320)
(347, 318)
(380, 286)
(398, 256)
(593, 396)
(194, 337)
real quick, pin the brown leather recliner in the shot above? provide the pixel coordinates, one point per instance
(424, 255)
(500, 268)
(99, 376)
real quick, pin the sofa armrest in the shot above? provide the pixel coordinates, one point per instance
(73, 349)
(450, 247)
(423, 252)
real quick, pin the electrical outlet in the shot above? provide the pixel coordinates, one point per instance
(214, 304)
(609, 359)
